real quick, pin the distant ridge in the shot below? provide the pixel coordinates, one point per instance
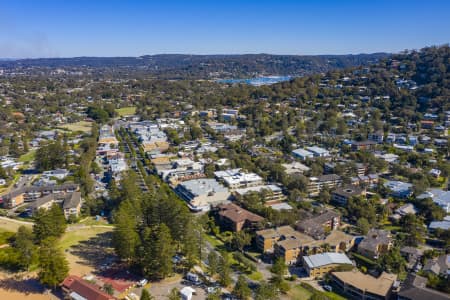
(205, 66)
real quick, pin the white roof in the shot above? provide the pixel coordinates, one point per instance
(323, 259)
(303, 152)
(259, 188)
(187, 291)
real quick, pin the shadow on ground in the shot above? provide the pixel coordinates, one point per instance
(26, 286)
(95, 251)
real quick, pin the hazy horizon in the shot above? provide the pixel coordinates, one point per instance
(65, 29)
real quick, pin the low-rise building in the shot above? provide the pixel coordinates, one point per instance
(438, 266)
(316, 184)
(342, 194)
(415, 288)
(375, 243)
(319, 225)
(235, 178)
(75, 288)
(318, 265)
(235, 218)
(267, 238)
(358, 285)
(399, 189)
(202, 194)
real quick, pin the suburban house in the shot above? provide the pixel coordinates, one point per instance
(438, 266)
(235, 218)
(415, 288)
(75, 288)
(364, 145)
(318, 265)
(358, 285)
(319, 225)
(201, 194)
(377, 136)
(399, 189)
(57, 173)
(302, 154)
(376, 242)
(342, 194)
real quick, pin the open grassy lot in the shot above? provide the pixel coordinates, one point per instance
(299, 293)
(11, 225)
(76, 234)
(126, 111)
(82, 126)
(28, 157)
(5, 236)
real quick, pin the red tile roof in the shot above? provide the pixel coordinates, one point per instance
(85, 289)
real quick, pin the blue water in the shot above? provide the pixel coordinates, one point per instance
(257, 80)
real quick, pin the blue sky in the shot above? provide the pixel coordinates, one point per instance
(66, 28)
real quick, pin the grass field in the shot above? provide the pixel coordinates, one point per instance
(12, 225)
(126, 111)
(299, 293)
(82, 126)
(5, 236)
(75, 236)
(28, 157)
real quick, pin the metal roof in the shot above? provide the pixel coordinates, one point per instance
(323, 259)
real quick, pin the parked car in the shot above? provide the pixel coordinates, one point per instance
(328, 288)
(142, 282)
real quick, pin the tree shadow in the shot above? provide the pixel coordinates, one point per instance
(96, 251)
(26, 285)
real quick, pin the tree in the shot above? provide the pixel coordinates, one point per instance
(279, 267)
(146, 295)
(363, 225)
(53, 266)
(392, 261)
(108, 288)
(49, 223)
(279, 270)
(225, 270)
(125, 237)
(213, 263)
(266, 291)
(174, 294)
(157, 252)
(241, 289)
(241, 239)
(25, 247)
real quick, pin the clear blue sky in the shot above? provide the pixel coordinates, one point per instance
(65, 28)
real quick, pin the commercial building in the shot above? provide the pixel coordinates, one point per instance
(202, 194)
(235, 178)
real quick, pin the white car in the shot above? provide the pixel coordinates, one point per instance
(142, 282)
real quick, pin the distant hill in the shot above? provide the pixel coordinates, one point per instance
(207, 66)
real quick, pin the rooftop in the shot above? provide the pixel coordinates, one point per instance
(378, 286)
(203, 186)
(323, 259)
